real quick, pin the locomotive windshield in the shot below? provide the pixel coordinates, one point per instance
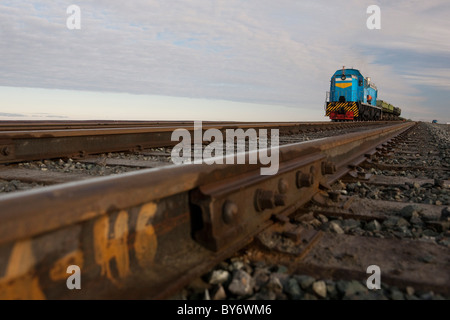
(344, 77)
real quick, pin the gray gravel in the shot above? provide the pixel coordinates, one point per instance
(408, 223)
(300, 137)
(427, 193)
(96, 169)
(16, 185)
(73, 166)
(261, 281)
(430, 150)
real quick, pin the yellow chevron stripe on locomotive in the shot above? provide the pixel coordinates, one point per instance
(347, 106)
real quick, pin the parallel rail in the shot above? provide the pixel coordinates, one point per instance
(146, 234)
(92, 124)
(25, 141)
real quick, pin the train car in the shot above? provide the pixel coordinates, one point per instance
(389, 112)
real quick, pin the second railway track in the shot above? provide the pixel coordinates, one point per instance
(149, 233)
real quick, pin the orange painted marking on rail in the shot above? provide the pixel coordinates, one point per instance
(114, 248)
(146, 243)
(59, 269)
(19, 281)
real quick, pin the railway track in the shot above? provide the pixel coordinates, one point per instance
(61, 139)
(28, 140)
(147, 234)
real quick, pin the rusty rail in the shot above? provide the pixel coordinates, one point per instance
(25, 141)
(7, 125)
(146, 234)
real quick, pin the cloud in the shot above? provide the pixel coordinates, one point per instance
(438, 78)
(5, 114)
(32, 116)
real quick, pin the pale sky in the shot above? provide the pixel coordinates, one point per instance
(260, 60)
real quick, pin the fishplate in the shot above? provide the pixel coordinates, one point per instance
(235, 209)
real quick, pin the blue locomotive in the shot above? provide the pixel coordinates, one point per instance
(353, 97)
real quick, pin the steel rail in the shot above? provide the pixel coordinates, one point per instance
(78, 140)
(146, 234)
(92, 124)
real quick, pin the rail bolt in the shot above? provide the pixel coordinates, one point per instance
(304, 179)
(328, 167)
(230, 210)
(264, 199)
(283, 186)
(280, 200)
